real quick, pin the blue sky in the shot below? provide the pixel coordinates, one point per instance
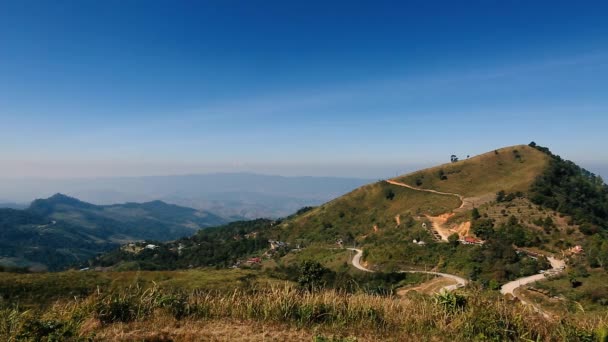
(104, 88)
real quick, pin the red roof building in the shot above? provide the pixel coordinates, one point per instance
(469, 240)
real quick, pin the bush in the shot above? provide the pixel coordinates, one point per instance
(451, 301)
(176, 303)
(116, 308)
(311, 275)
(49, 330)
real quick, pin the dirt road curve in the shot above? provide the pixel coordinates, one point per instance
(460, 282)
(461, 198)
(556, 267)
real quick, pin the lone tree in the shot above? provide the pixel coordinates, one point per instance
(453, 239)
(453, 158)
(311, 275)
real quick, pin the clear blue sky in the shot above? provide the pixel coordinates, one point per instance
(355, 88)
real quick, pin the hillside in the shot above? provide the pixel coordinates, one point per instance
(62, 230)
(476, 179)
(491, 219)
(520, 201)
(510, 169)
(531, 212)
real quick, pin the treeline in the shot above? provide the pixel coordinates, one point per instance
(312, 276)
(570, 189)
(495, 262)
(220, 247)
(498, 260)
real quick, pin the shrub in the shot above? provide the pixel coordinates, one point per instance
(35, 329)
(451, 301)
(116, 308)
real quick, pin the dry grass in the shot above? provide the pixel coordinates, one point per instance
(360, 210)
(167, 328)
(430, 287)
(485, 174)
(285, 313)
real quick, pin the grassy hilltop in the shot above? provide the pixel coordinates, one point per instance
(355, 214)
(511, 169)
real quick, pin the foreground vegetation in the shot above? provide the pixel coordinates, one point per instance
(472, 315)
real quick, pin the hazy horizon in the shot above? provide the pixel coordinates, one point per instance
(380, 171)
(104, 89)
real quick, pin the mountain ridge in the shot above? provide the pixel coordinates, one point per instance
(63, 230)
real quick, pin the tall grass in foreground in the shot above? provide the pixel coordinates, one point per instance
(470, 316)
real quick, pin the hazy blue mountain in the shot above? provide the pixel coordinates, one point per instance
(231, 195)
(11, 205)
(62, 230)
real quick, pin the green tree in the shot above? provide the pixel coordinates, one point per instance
(453, 239)
(442, 175)
(484, 228)
(475, 214)
(311, 275)
(500, 196)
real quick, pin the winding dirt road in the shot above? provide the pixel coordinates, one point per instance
(438, 222)
(460, 282)
(556, 267)
(460, 197)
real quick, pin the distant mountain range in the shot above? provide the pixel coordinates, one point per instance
(10, 205)
(61, 230)
(230, 195)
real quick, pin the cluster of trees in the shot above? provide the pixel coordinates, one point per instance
(312, 276)
(497, 260)
(491, 264)
(502, 196)
(570, 189)
(596, 251)
(218, 246)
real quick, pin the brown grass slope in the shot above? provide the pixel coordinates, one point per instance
(376, 206)
(511, 169)
(284, 313)
(358, 212)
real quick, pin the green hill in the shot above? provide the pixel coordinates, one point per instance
(477, 179)
(524, 197)
(59, 231)
(363, 211)
(523, 202)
